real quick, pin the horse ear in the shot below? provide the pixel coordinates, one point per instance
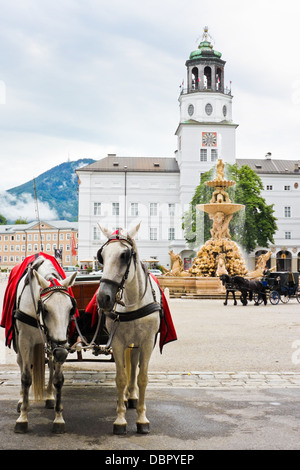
(134, 230)
(107, 232)
(69, 281)
(41, 280)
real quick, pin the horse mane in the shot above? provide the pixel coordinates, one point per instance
(48, 270)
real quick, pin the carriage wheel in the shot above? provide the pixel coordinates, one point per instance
(298, 295)
(274, 297)
(284, 298)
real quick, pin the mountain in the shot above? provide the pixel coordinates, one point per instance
(57, 187)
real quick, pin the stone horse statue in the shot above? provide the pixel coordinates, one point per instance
(260, 266)
(177, 267)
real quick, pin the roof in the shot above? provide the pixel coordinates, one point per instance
(205, 51)
(55, 224)
(114, 163)
(269, 166)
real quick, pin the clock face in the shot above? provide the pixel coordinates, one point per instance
(191, 110)
(208, 109)
(209, 139)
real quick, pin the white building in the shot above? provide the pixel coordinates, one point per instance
(281, 180)
(121, 190)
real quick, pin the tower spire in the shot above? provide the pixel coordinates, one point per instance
(206, 37)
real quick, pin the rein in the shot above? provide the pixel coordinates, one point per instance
(50, 346)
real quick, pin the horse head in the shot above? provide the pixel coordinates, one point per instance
(225, 279)
(57, 307)
(116, 256)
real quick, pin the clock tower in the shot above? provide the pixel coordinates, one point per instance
(206, 131)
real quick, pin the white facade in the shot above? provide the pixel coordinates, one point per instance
(281, 181)
(151, 198)
(194, 158)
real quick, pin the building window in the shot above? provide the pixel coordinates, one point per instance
(171, 209)
(269, 187)
(35, 237)
(97, 208)
(134, 209)
(153, 233)
(214, 155)
(171, 233)
(203, 155)
(287, 211)
(61, 236)
(287, 235)
(96, 233)
(287, 188)
(115, 208)
(48, 247)
(153, 209)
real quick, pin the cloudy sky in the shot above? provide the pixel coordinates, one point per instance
(83, 78)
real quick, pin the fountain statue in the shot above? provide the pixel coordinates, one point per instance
(219, 255)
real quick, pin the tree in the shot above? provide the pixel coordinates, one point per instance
(20, 221)
(3, 220)
(255, 227)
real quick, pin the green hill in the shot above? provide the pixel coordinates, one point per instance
(58, 187)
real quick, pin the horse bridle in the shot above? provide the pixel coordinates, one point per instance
(132, 255)
(39, 322)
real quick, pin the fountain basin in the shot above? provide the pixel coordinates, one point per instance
(195, 286)
(220, 183)
(225, 207)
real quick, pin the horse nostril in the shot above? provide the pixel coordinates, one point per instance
(107, 299)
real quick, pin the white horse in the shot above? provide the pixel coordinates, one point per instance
(44, 306)
(130, 299)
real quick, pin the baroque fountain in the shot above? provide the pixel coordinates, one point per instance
(219, 255)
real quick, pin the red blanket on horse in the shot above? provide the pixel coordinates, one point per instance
(167, 330)
(11, 291)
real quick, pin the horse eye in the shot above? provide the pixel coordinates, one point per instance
(125, 255)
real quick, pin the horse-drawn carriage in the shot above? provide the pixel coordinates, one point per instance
(275, 286)
(282, 286)
(40, 314)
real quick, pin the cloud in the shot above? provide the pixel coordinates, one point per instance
(13, 208)
(83, 79)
